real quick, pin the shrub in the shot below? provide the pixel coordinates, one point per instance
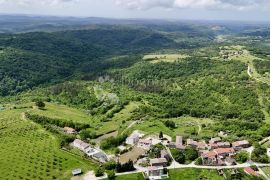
(170, 124)
(99, 172)
(179, 156)
(199, 161)
(110, 165)
(125, 167)
(259, 154)
(40, 104)
(242, 157)
(111, 175)
(112, 142)
(191, 154)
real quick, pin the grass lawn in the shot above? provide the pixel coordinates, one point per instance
(156, 58)
(193, 174)
(58, 111)
(266, 170)
(29, 152)
(138, 176)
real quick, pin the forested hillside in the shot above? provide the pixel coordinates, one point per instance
(61, 54)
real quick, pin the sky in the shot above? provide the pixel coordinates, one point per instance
(253, 10)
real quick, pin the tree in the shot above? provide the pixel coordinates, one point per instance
(99, 172)
(170, 124)
(154, 152)
(128, 166)
(110, 165)
(259, 154)
(111, 175)
(190, 153)
(199, 161)
(179, 156)
(40, 104)
(161, 135)
(242, 157)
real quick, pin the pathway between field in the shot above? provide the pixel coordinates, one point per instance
(132, 124)
(251, 70)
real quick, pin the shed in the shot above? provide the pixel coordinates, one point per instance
(76, 172)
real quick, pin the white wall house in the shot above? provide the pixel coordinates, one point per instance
(77, 143)
(133, 138)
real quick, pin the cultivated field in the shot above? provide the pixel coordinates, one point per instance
(131, 155)
(29, 152)
(157, 58)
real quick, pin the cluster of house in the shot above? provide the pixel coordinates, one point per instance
(215, 152)
(90, 151)
(136, 139)
(229, 54)
(157, 168)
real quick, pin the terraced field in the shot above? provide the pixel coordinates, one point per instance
(29, 152)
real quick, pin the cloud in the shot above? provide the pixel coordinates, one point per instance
(35, 2)
(182, 4)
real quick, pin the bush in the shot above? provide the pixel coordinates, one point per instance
(154, 152)
(85, 134)
(99, 172)
(170, 124)
(259, 154)
(190, 153)
(179, 156)
(111, 175)
(40, 104)
(242, 157)
(112, 142)
(199, 161)
(125, 167)
(110, 165)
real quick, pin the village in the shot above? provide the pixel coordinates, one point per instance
(154, 154)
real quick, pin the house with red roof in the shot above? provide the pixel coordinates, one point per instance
(218, 156)
(250, 171)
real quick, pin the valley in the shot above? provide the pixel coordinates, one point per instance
(114, 101)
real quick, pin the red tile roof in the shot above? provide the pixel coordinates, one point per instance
(210, 154)
(224, 150)
(250, 171)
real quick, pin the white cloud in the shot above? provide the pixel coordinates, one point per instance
(212, 4)
(35, 2)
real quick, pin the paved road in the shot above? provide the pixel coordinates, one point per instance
(264, 140)
(176, 165)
